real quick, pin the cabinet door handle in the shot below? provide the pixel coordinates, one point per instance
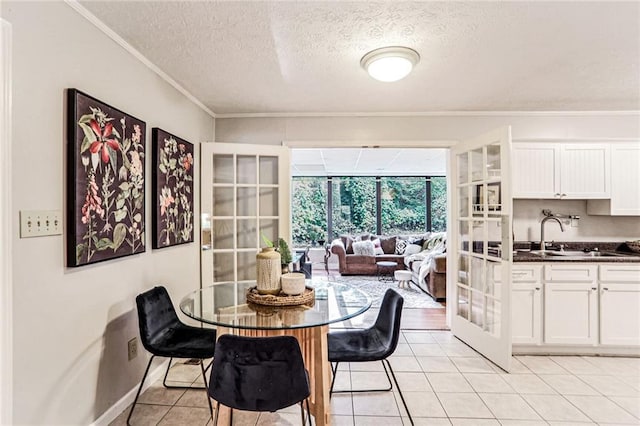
(537, 288)
(563, 195)
(557, 194)
(594, 288)
(606, 288)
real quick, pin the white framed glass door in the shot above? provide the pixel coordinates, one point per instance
(481, 242)
(245, 194)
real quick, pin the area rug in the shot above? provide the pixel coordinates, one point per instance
(413, 297)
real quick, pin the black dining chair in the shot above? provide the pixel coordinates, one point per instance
(163, 334)
(375, 343)
(259, 374)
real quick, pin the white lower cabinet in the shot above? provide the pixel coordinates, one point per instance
(526, 304)
(620, 305)
(593, 305)
(571, 313)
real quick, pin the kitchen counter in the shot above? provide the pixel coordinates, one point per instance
(606, 253)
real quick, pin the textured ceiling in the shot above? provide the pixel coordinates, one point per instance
(268, 56)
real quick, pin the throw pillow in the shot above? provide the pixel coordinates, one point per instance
(412, 249)
(401, 246)
(388, 245)
(377, 247)
(347, 241)
(363, 248)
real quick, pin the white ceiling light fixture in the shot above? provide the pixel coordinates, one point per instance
(390, 63)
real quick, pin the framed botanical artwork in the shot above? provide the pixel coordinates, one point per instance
(494, 198)
(105, 181)
(172, 189)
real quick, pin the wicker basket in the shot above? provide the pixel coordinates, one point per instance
(281, 299)
(634, 246)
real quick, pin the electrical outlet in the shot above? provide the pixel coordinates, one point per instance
(38, 223)
(132, 348)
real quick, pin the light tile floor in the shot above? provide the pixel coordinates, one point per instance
(444, 383)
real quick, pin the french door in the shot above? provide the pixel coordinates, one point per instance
(481, 244)
(245, 191)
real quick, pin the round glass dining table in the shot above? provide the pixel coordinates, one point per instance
(225, 306)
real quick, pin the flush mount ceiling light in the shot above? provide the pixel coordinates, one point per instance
(390, 63)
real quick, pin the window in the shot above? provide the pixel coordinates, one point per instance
(325, 207)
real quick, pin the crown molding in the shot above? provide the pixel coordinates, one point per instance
(136, 53)
(429, 114)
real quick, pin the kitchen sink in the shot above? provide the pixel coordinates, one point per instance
(576, 253)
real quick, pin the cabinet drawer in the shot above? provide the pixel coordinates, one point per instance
(519, 273)
(575, 272)
(628, 272)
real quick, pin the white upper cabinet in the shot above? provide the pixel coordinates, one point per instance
(625, 183)
(561, 170)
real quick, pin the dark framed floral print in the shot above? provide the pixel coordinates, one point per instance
(105, 181)
(172, 189)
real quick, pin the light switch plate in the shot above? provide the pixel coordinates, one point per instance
(38, 223)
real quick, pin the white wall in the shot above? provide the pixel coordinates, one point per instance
(527, 214)
(71, 326)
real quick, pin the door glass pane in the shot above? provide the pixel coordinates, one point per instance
(246, 202)
(477, 313)
(247, 233)
(268, 170)
(494, 199)
(477, 165)
(477, 235)
(465, 236)
(223, 168)
(463, 201)
(478, 199)
(223, 266)
(463, 168)
(493, 279)
(493, 162)
(463, 302)
(495, 238)
(222, 231)
(246, 265)
(463, 269)
(223, 201)
(477, 273)
(247, 169)
(268, 228)
(269, 202)
(493, 316)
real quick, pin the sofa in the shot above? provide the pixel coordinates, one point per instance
(352, 263)
(429, 268)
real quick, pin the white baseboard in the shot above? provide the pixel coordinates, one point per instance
(122, 404)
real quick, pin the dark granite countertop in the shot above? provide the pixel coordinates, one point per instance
(607, 252)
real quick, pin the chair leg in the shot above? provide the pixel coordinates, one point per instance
(166, 374)
(308, 412)
(215, 419)
(363, 390)
(206, 386)
(135, 401)
(334, 371)
(399, 391)
(302, 412)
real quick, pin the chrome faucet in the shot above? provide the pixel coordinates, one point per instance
(543, 246)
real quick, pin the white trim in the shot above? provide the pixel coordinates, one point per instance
(6, 281)
(136, 53)
(116, 409)
(430, 114)
(370, 144)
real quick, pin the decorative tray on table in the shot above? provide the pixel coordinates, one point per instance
(281, 299)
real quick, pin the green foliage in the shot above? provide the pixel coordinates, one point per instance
(403, 202)
(285, 253)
